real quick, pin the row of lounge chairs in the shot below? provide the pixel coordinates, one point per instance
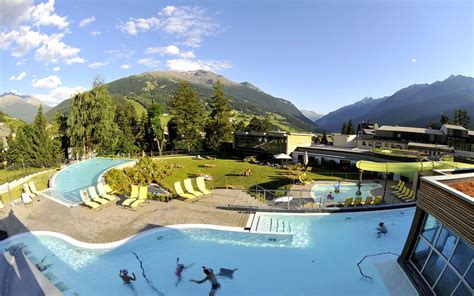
(29, 192)
(403, 192)
(358, 201)
(94, 200)
(190, 192)
(137, 197)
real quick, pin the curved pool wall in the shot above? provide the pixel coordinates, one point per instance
(321, 190)
(66, 183)
(320, 258)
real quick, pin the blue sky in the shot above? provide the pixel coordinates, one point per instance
(320, 55)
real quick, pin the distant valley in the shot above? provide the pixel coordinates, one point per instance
(21, 107)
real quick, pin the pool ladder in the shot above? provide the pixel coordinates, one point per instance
(280, 226)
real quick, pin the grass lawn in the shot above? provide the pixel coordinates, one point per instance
(228, 172)
(41, 182)
(10, 175)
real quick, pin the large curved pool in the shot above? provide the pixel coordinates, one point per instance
(320, 258)
(67, 182)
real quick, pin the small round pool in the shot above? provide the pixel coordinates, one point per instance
(321, 191)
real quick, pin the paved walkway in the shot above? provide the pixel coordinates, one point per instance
(113, 223)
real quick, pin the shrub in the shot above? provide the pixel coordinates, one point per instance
(118, 181)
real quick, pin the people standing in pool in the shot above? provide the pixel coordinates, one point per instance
(381, 229)
(211, 277)
(330, 196)
(179, 271)
(125, 277)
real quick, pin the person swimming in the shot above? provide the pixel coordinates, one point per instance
(330, 196)
(381, 229)
(211, 277)
(125, 277)
(179, 271)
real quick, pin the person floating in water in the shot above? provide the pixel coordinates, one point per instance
(125, 277)
(330, 196)
(179, 271)
(381, 229)
(210, 276)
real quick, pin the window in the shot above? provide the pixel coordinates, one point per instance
(446, 242)
(462, 256)
(446, 283)
(430, 228)
(422, 251)
(433, 268)
(470, 276)
(462, 290)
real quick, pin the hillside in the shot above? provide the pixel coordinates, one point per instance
(245, 97)
(416, 105)
(313, 116)
(21, 107)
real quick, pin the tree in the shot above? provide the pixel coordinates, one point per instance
(187, 112)
(154, 121)
(344, 129)
(240, 126)
(91, 126)
(125, 118)
(444, 119)
(61, 122)
(350, 128)
(461, 117)
(41, 143)
(324, 139)
(218, 128)
(258, 124)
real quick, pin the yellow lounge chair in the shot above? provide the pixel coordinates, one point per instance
(27, 190)
(103, 193)
(133, 197)
(142, 197)
(410, 197)
(357, 201)
(405, 195)
(180, 192)
(398, 186)
(108, 189)
(95, 198)
(32, 186)
(201, 185)
(347, 202)
(189, 188)
(403, 192)
(368, 201)
(86, 201)
(377, 200)
(399, 190)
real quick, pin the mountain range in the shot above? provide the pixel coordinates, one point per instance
(21, 107)
(416, 105)
(313, 116)
(159, 87)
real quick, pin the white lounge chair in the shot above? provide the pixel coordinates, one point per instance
(27, 190)
(26, 199)
(33, 189)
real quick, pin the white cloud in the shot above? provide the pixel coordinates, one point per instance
(51, 81)
(56, 69)
(183, 65)
(54, 50)
(59, 94)
(95, 33)
(120, 53)
(187, 55)
(86, 21)
(13, 12)
(168, 10)
(24, 40)
(15, 92)
(98, 64)
(18, 77)
(413, 60)
(125, 67)
(149, 62)
(134, 25)
(43, 15)
(171, 50)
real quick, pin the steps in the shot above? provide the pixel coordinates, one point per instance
(269, 224)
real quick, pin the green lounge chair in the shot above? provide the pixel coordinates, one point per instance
(27, 190)
(142, 197)
(347, 202)
(368, 201)
(95, 198)
(189, 188)
(201, 185)
(133, 197)
(86, 201)
(33, 189)
(357, 201)
(180, 192)
(377, 200)
(103, 193)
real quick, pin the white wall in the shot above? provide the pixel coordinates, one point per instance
(346, 141)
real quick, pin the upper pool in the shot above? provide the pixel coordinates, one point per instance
(320, 259)
(68, 181)
(322, 190)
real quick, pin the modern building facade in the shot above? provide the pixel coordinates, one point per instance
(438, 254)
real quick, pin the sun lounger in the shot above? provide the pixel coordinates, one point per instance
(189, 188)
(398, 186)
(142, 197)
(180, 192)
(108, 189)
(86, 201)
(398, 191)
(103, 193)
(26, 199)
(347, 202)
(2, 206)
(27, 190)
(410, 197)
(406, 194)
(201, 185)
(283, 199)
(377, 200)
(357, 201)
(403, 192)
(368, 201)
(32, 186)
(133, 197)
(95, 198)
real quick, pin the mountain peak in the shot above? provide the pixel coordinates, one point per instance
(250, 85)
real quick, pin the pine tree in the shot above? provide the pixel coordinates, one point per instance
(218, 128)
(61, 122)
(125, 118)
(187, 112)
(154, 121)
(258, 124)
(240, 126)
(344, 129)
(41, 142)
(461, 117)
(350, 128)
(445, 119)
(324, 139)
(21, 152)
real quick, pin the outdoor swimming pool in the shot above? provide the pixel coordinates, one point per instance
(68, 182)
(320, 259)
(321, 191)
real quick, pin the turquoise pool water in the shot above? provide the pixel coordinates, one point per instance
(320, 259)
(70, 180)
(321, 191)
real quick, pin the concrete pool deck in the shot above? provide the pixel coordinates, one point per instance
(114, 223)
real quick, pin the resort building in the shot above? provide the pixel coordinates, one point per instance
(269, 143)
(438, 254)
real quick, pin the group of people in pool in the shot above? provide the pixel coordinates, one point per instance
(180, 268)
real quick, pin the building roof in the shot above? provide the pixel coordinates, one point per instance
(452, 126)
(427, 145)
(271, 133)
(444, 182)
(408, 129)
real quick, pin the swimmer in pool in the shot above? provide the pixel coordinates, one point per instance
(179, 271)
(381, 229)
(211, 277)
(125, 277)
(330, 196)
